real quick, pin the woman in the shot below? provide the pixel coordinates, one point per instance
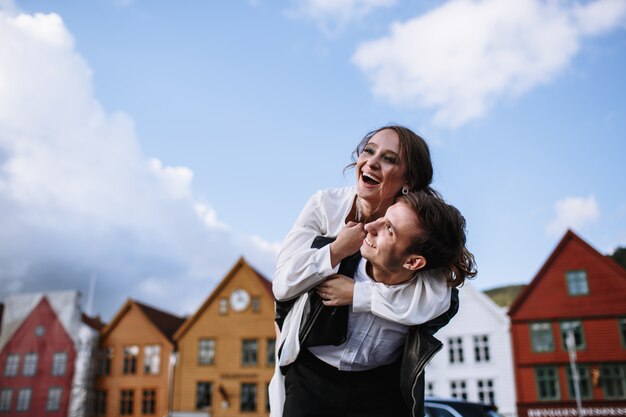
(390, 161)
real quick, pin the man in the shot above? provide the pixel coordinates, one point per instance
(351, 360)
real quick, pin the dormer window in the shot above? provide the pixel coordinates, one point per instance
(577, 283)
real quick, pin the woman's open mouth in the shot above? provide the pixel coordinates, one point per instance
(369, 179)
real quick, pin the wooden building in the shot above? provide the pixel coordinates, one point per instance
(134, 366)
(226, 349)
(45, 349)
(582, 292)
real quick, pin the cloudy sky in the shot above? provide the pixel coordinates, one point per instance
(147, 145)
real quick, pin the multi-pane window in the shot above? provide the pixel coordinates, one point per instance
(151, 359)
(622, 330)
(203, 395)
(486, 393)
(12, 364)
(481, 349)
(59, 363)
(547, 382)
(248, 397)
(223, 305)
(613, 381)
(130, 359)
(23, 399)
(576, 328)
(584, 382)
(30, 364)
(100, 403)
(53, 401)
(249, 352)
(256, 304)
(5, 399)
(271, 351)
(577, 283)
(127, 398)
(206, 351)
(148, 401)
(104, 361)
(541, 337)
(455, 349)
(458, 389)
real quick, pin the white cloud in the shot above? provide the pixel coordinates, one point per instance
(573, 213)
(462, 57)
(332, 16)
(79, 198)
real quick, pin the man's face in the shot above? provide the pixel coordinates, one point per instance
(389, 237)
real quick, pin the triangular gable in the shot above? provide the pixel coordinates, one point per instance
(18, 307)
(241, 263)
(569, 237)
(152, 316)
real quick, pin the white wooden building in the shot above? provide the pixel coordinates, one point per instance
(476, 362)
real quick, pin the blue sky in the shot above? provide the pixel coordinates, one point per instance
(148, 145)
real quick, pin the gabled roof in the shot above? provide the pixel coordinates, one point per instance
(567, 238)
(241, 263)
(164, 322)
(95, 322)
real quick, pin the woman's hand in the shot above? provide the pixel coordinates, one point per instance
(348, 242)
(337, 290)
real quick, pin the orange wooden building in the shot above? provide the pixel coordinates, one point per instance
(134, 375)
(226, 349)
(582, 292)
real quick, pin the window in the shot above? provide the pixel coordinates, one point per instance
(613, 381)
(267, 397)
(59, 363)
(151, 359)
(430, 389)
(130, 359)
(126, 402)
(5, 399)
(271, 351)
(455, 349)
(100, 403)
(40, 331)
(577, 283)
(104, 361)
(203, 396)
(481, 349)
(458, 389)
(30, 364)
(541, 337)
(584, 382)
(223, 306)
(485, 390)
(11, 365)
(206, 351)
(148, 401)
(256, 304)
(547, 383)
(576, 328)
(622, 330)
(248, 397)
(249, 352)
(23, 399)
(53, 402)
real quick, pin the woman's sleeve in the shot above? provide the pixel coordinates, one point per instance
(299, 267)
(423, 299)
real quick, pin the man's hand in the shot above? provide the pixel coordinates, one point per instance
(337, 290)
(348, 242)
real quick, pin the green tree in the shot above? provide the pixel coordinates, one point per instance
(619, 256)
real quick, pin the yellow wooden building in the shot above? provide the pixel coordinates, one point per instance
(133, 371)
(226, 349)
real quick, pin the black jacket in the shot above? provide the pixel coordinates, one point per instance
(329, 325)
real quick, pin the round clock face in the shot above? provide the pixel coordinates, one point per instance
(239, 300)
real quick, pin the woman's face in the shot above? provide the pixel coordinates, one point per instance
(380, 169)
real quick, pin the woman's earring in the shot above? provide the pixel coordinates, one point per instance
(405, 190)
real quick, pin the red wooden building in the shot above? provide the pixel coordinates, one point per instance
(579, 291)
(38, 356)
